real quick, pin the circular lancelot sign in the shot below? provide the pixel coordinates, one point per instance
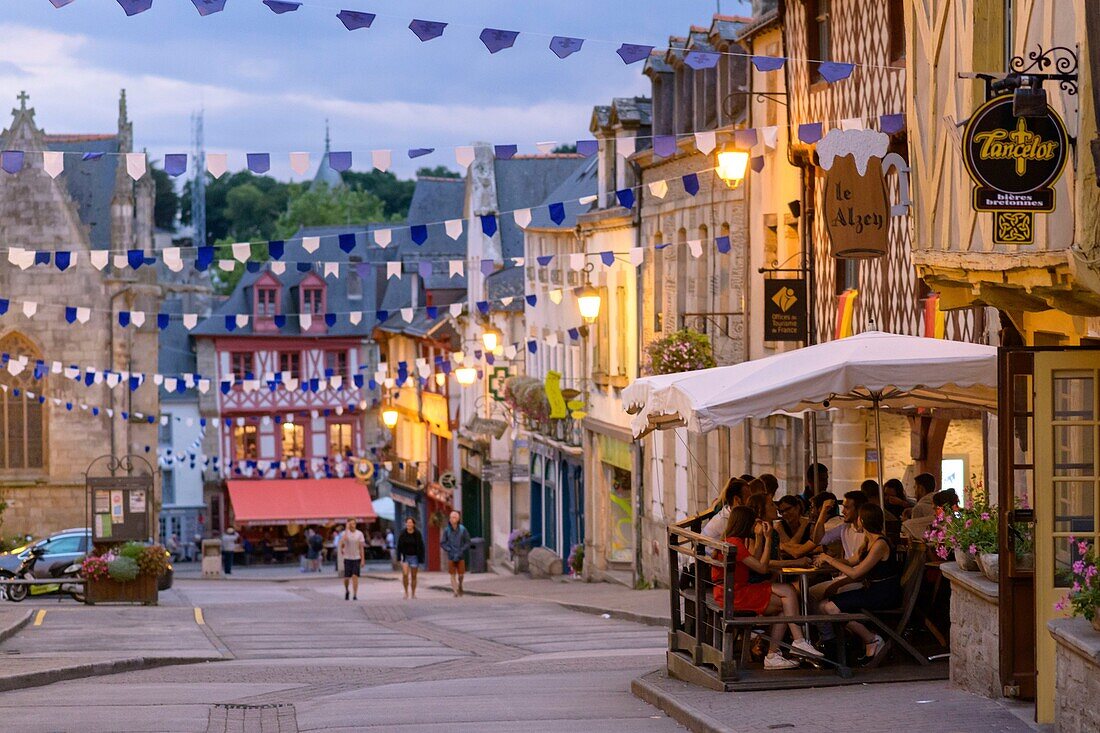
(1014, 155)
(448, 480)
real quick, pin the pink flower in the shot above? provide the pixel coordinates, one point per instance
(968, 523)
(1083, 547)
(1060, 605)
(1076, 587)
(973, 549)
(985, 517)
(1079, 567)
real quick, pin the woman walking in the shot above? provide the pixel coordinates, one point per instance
(410, 551)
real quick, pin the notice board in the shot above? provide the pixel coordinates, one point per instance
(121, 508)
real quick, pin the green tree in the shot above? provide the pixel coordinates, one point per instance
(565, 149)
(166, 202)
(258, 212)
(395, 193)
(440, 171)
(322, 206)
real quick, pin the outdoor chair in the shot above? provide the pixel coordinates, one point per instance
(911, 578)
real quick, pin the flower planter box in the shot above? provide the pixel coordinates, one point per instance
(142, 589)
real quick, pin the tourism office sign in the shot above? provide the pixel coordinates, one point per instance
(1014, 163)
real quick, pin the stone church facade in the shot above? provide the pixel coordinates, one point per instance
(46, 448)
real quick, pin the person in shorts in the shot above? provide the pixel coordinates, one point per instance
(411, 553)
(353, 548)
(455, 542)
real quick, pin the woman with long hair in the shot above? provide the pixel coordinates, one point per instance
(874, 566)
(766, 598)
(793, 529)
(410, 551)
(734, 493)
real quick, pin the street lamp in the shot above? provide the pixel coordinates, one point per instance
(732, 164)
(466, 376)
(588, 299)
(389, 417)
(491, 338)
(440, 378)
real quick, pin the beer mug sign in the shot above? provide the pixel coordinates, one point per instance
(857, 212)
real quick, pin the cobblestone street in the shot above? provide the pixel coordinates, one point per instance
(301, 658)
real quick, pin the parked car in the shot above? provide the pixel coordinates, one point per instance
(67, 545)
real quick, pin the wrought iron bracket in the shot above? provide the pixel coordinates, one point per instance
(1062, 58)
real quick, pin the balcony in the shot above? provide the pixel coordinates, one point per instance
(410, 474)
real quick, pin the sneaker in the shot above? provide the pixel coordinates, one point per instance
(775, 660)
(805, 647)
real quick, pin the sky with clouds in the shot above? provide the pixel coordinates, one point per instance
(268, 82)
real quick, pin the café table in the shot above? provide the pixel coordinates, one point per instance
(803, 575)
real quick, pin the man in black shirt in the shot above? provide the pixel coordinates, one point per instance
(821, 473)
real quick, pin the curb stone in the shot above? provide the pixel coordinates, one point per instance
(687, 716)
(93, 669)
(12, 629)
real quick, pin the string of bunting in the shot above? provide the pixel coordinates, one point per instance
(496, 40)
(205, 255)
(663, 146)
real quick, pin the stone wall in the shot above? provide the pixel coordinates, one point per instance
(975, 632)
(1077, 675)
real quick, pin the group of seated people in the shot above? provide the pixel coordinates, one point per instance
(804, 530)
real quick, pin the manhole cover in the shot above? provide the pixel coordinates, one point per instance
(275, 718)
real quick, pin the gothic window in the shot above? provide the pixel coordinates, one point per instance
(22, 416)
(818, 36)
(244, 442)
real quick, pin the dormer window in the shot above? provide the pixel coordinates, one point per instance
(265, 301)
(313, 300)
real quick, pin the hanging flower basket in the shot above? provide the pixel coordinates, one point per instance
(683, 351)
(527, 396)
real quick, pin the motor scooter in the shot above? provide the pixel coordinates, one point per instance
(62, 571)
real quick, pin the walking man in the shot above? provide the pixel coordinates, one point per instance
(455, 542)
(229, 546)
(353, 548)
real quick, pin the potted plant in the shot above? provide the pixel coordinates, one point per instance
(1083, 598)
(127, 573)
(970, 533)
(526, 396)
(682, 351)
(519, 544)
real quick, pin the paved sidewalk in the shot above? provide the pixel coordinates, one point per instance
(881, 708)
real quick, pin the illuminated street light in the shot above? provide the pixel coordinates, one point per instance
(731, 166)
(588, 302)
(389, 417)
(466, 376)
(440, 378)
(491, 338)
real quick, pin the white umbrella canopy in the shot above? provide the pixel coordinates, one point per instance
(869, 370)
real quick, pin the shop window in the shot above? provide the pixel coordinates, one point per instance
(294, 440)
(245, 444)
(340, 439)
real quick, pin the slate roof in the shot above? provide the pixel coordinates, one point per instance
(638, 110)
(506, 283)
(525, 182)
(582, 182)
(337, 300)
(91, 183)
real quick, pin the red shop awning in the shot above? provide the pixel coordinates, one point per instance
(300, 501)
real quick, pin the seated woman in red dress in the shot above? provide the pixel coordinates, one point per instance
(765, 599)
